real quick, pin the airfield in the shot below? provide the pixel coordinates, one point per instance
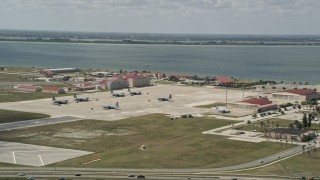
(184, 100)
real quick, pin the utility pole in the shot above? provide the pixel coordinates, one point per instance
(243, 92)
(226, 97)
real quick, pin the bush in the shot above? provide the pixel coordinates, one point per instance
(61, 91)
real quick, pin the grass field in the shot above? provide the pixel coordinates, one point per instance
(7, 116)
(300, 165)
(208, 106)
(14, 96)
(170, 143)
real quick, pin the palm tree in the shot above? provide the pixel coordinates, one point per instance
(303, 148)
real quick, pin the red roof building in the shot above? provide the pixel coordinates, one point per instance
(301, 91)
(254, 105)
(114, 83)
(258, 101)
(29, 88)
(137, 80)
(222, 80)
(55, 90)
(295, 96)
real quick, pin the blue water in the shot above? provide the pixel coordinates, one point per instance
(287, 63)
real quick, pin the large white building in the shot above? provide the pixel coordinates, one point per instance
(254, 105)
(114, 83)
(294, 96)
(137, 80)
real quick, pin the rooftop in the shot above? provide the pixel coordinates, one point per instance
(258, 101)
(51, 89)
(28, 87)
(224, 79)
(301, 91)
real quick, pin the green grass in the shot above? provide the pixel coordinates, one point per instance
(300, 165)
(7, 116)
(208, 106)
(14, 96)
(13, 78)
(19, 69)
(170, 143)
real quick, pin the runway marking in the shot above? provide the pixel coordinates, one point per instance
(14, 158)
(91, 161)
(41, 160)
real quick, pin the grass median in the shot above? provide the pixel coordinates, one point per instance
(7, 116)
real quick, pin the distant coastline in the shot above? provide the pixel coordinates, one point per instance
(209, 43)
(155, 38)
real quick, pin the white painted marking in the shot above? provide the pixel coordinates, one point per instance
(14, 158)
(91, 161)
(41, 160)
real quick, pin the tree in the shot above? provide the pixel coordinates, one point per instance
(303, 148)
(261, 123)
(304, 120)
(299, 126)
(291, 126)
(309, 122)
(299, 107)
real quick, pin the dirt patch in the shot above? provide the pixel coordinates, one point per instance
(83, 134)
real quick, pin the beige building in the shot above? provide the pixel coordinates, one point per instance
(114, 83)
(294, 96)
(254, 105)
(136, 80)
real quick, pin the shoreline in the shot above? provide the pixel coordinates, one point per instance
(116, 42)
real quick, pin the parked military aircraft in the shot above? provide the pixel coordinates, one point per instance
(224, 110)
(117, 94)
(59, 102)
(81, 99)
(132, 93)
(116, 106)
(165, 98)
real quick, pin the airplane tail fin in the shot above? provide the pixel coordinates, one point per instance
(170, 96)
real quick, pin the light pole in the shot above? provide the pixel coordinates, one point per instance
(226, 97)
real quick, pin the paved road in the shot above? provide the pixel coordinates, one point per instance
(36, 122)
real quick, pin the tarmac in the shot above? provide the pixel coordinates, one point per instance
(184, 100)
(34, 155)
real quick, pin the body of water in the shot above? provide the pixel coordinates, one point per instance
(287, 63)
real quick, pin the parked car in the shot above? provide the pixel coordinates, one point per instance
(141, 176)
